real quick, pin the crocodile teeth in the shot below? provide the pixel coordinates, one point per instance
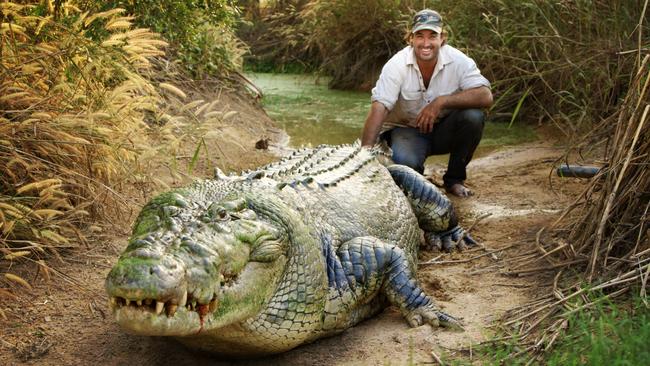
(183, 301)
(139, 302)
(202, 309)
(127, 302)
(213, 305)
(159, 307)
(171, 310)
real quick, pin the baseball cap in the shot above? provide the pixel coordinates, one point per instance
(427, 19)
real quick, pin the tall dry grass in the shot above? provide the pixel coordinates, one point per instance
(601, 243)
(274, 33)
(71, 121)
(568, 63)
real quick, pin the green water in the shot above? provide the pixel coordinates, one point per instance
(312, 114)
(309, 112)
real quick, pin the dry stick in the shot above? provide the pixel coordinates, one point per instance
(512, 285)
(647, 251)
(563, 324)
(573, 205)
(537, 236)
(546, 268)
(472, 227)
(435, 357)
(616, 281)
(640, 27)
(587, 305)
(433, 261)
(644, 281)
(537, 322)
(535, 259)
(531, 304)
(612, 196)
(638, 240)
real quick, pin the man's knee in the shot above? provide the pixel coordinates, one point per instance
(474, 118)
(469, 123)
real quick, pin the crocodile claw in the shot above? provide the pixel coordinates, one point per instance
(449, 321)
(436, 318)
(433, 241)
(456, 238)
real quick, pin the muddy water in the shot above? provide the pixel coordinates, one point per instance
(312, 114)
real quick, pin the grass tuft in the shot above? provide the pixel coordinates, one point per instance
(607, 334)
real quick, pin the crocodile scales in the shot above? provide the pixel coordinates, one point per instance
(300, 249)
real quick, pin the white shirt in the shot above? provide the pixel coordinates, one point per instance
(401, 90)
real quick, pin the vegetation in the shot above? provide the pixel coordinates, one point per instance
(71, 120)
(275, 36)
(609, 334)
(572, 61)
(606, 227)
(200, 33)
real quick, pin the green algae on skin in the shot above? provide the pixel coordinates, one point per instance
(152, 216)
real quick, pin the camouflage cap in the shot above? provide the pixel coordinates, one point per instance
(427, 19)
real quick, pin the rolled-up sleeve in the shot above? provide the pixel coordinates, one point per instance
(387, 89)
(471, 77)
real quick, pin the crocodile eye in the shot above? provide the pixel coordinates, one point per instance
(222, 214)
(217, 212)
(171, 211)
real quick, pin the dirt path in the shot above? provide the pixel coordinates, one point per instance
(67, 322)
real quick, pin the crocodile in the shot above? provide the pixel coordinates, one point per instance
(264, 261)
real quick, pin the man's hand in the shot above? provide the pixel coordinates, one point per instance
(374, 121)
(429, 114)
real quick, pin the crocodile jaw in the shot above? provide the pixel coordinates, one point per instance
(242, 300)
(137, 321)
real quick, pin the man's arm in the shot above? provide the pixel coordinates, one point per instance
(374, 121)
(480, 97)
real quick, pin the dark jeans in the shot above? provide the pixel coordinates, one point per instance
(458, 134)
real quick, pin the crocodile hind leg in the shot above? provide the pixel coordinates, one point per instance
(367, 265)
(435, 213)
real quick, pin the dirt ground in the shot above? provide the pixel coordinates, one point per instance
(66, 321)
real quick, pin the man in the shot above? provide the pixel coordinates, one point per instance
(428, 101)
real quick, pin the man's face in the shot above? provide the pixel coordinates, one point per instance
(426, 44)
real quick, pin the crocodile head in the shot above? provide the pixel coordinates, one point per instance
(195, 263)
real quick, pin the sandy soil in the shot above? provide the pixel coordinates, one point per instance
(66, 321)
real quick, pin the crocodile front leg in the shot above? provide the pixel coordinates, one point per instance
(366, 266)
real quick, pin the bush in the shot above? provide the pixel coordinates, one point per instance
(354, 38)
(71, 120)
(276, 37)
(200, 33)
(570, 60)
(213, 50)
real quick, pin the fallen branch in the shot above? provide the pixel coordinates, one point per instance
(457, 261)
